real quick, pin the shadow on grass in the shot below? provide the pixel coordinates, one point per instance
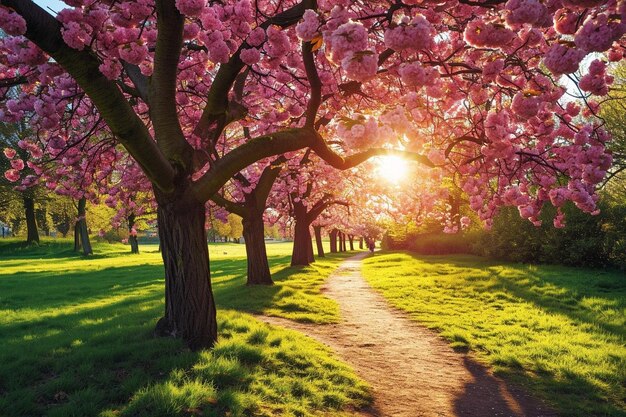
(486, 395)
(591, 301)
(80, 344)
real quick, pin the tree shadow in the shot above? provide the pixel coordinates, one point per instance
(590, 300)
(487, 395)
(80, 343)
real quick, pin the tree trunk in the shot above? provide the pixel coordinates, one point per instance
(81, 234)
(189, 305)
(132, 237)
(76, 237)
(342, 242)
(254, 237)
(318, 240)
(361, 242)
(351, 239)
(333, 240)
(32, 235)
(302, 245)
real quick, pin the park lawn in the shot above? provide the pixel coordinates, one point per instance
(558, 331)
(76, 337)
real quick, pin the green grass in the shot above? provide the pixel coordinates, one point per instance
(76, 337)
(559, 331)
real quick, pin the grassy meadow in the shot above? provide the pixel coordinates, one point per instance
(76, 337)
(559, 331)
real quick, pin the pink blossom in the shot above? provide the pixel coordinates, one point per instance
(481, 34)
(308, 28)
(598, 35)
(12, 175)
(9, 153)
(250, 56)
(525, 106)
(12, 23)
(17, 164)
(190, 7)
(559, 220)
(561, 59)
(566, 21)
(360, 66)
(278, 42)
(134, 52)
(415, 36)
(524, 11)
(415, 75)
(111, 69)
(256, 37)
(437, 156)
(349, 37)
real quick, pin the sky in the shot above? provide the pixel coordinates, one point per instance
(55, 5)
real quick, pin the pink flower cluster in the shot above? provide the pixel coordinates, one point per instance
(347, 38)
(525, 105)
(487, 35)
(415, 36)
(278, 43)
(525, 11)
(598, 34)
(11, 22)
(561, 59)
(360, 66)
(416, 75)
(190, 7)
(309, 26)
(596, 80)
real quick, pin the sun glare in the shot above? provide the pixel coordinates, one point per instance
(391, 168)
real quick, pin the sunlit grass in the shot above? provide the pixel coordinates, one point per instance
(559, 331)
(76, 337)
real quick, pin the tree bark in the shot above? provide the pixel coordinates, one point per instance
(81, 233)
(342, 242)
(189, 305)
(32, 235)
(302, 245)
(351, 240)
(333, 240)
(318, 241)
(132, 238)
(361, 242)
(254, 236)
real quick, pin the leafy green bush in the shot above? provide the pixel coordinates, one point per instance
(586, 240)
(593, 241)
(431, 243)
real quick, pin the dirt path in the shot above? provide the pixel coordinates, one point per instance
(413, 372)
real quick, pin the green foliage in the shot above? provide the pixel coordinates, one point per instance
(76, 337)
(585, 241)
(432, 243)
(557, 330)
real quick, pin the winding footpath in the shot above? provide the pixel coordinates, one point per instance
(413, 372)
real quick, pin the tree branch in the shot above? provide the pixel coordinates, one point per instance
(335, 160)
(162, 90)
(254, 150)
(139, 80)
(230, 206)
(267, 179)
(45, 32)
(217, 99)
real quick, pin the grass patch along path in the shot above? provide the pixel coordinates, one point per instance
(558, 331)
(76, 339)
(413, 372)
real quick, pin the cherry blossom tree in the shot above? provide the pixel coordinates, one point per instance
(470, 86)
(247, 198)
